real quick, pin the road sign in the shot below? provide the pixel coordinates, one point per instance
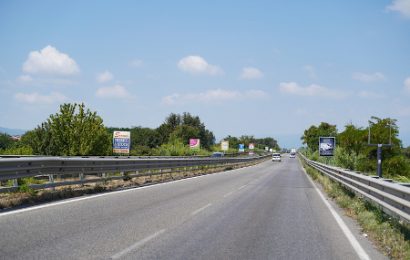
(194, 143)
(327, 146)
(225, 145)
(121, 142)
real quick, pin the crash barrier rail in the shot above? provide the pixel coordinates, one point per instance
(127, 167)
(392, 198)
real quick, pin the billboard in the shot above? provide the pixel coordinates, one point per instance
(251, 146)
(194, 143)
(327, 146)
(121, 141)
(266, 148)
(241, 148)
(225, 145)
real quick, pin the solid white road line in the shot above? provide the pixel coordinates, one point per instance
(137, 245)
(243, 186)
(193, 213)
(346, 231)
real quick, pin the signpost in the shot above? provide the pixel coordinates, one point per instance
(194, 144)
(121, 142)
(379, 151)
(327, 146)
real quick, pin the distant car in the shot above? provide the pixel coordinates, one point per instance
(217, 154)
(292, 155)
(276, 157)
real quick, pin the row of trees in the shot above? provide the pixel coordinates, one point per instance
(353, 151)
(75, 130)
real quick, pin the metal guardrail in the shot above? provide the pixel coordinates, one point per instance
(392, 198)
(15, 168)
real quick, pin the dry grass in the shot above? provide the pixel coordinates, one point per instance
(391, 236)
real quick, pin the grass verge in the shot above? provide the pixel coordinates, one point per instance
(390, 235)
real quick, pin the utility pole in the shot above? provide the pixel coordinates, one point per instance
(379, 151)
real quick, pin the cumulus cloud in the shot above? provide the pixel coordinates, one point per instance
(104, 76)
(198, 65)
(311, 71)
(251, 73)
(401, 6)
(370, 95)
(368, 77)
(213, 95)
(116, 91)
(407, 85)
(312, 90)
(25, 79)
(136, 63)
(50, 61)
(35, 98)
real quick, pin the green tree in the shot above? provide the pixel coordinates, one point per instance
(5, 141)
(353, 139)
(311, 135)
(73, 131)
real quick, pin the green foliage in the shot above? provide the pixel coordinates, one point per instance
(21, 150)
(184, 127)
(311, 135)
(353, 152)
(73, 131)
(5, 141)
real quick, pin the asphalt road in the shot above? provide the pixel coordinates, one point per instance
(268, 211)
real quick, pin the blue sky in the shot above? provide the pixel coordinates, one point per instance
(262, 68)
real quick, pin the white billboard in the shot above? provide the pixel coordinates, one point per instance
(121, 142)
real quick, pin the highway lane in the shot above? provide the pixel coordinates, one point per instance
(268, 211)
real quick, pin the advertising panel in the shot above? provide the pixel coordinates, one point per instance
(194, 143)
(241, 148)
(251, 146)
(327, 146)
(225, 145)
(121, 142)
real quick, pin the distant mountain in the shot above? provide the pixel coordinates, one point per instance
(12, 131)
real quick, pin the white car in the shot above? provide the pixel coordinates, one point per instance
(292, 155)
(276, 157)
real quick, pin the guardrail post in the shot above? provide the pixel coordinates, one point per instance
(15, 183)
(81, 175)
(51, 180)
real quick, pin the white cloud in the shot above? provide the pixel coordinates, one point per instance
(311, 71)
(370, 95)
(407, 85)
(312, 90)
(136, 63)
(25, 79)
(50, 61)
(213, 95)
(251, 73)
(104, 76)
(401, 6)
(116, 91)
(35, 98)
(367, 77)
(198, 65)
